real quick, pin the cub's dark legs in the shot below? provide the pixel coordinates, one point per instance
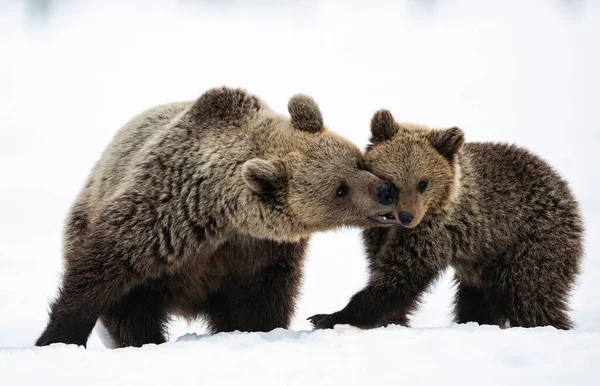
(530, 285)
(138, 318)
(262, 301)
(397, 280)
(532, 309)
(470, 305)
(508, 310)
(504, 306)
(369, 308)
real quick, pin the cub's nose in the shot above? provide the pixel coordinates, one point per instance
(405, 218)
(387, 194)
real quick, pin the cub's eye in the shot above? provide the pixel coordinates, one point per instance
(421, 186)
(342, 190)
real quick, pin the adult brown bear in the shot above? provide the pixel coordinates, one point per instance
(204, 209)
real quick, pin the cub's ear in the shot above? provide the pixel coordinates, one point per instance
(305, 113)
(264, 177)
(447, 142)
(383, 127)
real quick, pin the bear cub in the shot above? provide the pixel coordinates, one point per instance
(500, 216)
(204, 209)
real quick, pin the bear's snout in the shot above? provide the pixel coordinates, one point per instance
(405, 218)
(387, 194)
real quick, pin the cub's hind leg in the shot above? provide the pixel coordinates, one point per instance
(530, 285)
(470, 305)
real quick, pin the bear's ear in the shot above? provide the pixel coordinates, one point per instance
(305, 114)
(264, 177)
(383, 127)
(225, 104)
(447, 142)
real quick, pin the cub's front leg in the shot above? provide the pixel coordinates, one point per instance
(398, 275)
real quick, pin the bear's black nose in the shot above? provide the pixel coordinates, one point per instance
(387, 194)
(405, 218)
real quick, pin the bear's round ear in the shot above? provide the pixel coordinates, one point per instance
(383, 127)
(447, 142)
(264, 177)
(225, 104)
(305, 113)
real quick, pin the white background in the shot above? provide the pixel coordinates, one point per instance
(73, 72)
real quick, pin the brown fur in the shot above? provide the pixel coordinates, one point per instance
(500, 216)
(204, 209)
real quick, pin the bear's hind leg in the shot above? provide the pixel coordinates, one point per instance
(71, 317)
(91, 284)
(75, 311)
(530, 286)
(470, 305)
(138, 318)
(538, 313)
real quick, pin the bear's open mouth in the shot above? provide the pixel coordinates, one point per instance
(386, 218)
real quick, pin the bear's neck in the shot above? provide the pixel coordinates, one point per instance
(464, 181)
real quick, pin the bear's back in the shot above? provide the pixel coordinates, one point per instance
(511, 168)
(113, 166)
(518, 187)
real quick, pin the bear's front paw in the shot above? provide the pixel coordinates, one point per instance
(324, 321)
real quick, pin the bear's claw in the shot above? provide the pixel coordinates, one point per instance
(323, 321)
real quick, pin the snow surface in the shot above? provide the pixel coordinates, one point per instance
(467, 354)
(71, 74)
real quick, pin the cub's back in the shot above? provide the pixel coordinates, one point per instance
(516, 184)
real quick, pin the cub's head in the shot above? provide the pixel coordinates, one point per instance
(422, 163)
(317, 180)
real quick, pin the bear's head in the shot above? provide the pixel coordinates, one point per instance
(314, 180)
(422, 163)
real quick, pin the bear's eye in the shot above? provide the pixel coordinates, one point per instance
(421, 186)
(342, 190)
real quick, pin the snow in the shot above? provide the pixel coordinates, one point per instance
(524, 72)
(467, 354)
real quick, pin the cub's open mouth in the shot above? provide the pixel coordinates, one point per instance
(387, 219)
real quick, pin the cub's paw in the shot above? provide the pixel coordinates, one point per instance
(324, 321)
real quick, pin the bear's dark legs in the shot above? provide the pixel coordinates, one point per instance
(89, 287)
(470, 305)
(389, 297)
(262, 299)
(556, 318)
(74, 313)
(259, 303)
(72, 316)
(509, 310)
(530, 286)
(138, 318)
(71, 320)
